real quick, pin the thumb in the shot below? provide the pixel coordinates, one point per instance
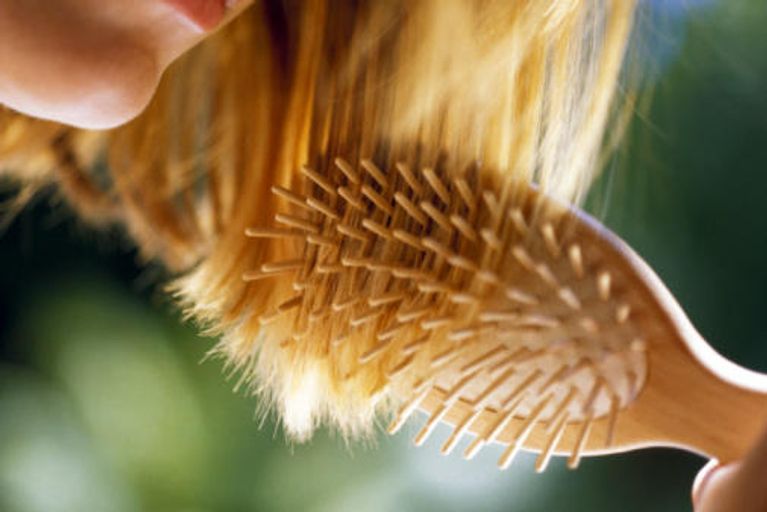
(736, 487)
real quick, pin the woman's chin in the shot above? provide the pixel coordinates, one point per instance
(96, 97)
(105, 111)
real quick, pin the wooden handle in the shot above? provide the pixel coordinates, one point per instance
(693, 398)
(701, 402)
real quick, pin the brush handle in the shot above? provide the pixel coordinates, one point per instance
(693, 398)
(697, 400)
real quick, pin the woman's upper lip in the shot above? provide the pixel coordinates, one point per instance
(204, 14)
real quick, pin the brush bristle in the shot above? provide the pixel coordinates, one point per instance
(406, 280)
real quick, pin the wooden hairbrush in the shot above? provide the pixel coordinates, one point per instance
(496, 310)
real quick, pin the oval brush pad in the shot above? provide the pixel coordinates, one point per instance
(492, 308)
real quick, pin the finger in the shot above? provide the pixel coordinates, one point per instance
(739, 487)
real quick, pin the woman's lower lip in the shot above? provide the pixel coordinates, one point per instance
(204, 14)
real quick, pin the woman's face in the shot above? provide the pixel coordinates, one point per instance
(96, 63)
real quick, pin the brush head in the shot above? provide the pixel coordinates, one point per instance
(397, 282)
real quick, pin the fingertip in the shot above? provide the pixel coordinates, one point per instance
(716, 488)
(702, 479)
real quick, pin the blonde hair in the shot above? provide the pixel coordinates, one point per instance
(525, 86)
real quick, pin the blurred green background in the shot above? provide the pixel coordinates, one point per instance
(105, 405)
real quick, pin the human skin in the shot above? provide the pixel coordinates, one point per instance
(95, 63)
(736, 487)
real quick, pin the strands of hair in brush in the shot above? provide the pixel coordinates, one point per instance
(525, 88)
